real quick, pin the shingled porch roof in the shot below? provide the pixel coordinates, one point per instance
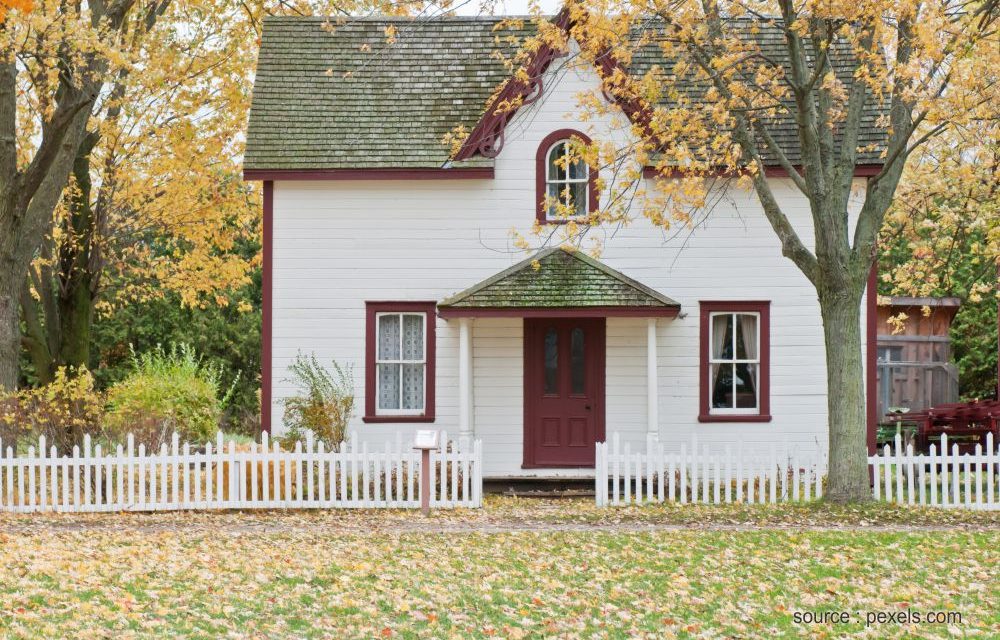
(566, 282)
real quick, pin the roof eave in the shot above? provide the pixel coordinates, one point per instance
(624, 311)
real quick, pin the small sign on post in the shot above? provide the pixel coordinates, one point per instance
(426, 440)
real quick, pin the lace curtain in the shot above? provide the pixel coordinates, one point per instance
(413, 374)
(401, 384)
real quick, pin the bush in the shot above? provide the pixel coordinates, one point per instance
(325, 404)
(62, 411)
(167, 391)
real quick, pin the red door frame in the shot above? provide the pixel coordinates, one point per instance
(532, 382)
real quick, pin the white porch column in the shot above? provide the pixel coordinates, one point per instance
(465, 421)
(652, 399)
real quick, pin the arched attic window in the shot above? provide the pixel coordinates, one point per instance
(563, 177)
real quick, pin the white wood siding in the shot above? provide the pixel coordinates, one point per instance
(340, 243)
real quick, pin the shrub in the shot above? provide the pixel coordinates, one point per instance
(167, 391)
(62, 411)
(325, 403)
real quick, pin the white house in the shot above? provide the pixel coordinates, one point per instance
(382, 252)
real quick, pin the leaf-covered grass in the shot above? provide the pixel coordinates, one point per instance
(518, 568)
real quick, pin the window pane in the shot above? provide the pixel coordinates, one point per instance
(722, 386)
(413, 386)
(554, 195)
(576, 361)
(746, 336)
(746, 386)
(578, 194)
(551, 361)
(413, 337)
(578, 169)
(388, 386)
(388, 338)
(722, 337)
(557, 162)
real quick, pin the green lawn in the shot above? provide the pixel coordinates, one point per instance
(565, 570)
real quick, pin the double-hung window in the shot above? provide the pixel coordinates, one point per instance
(400, 362)
(735, 361)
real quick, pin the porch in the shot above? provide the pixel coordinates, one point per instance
(545, 349)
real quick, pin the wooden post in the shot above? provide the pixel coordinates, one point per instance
(652, 391)
(465, 415)
(425, 481)
(425, 441)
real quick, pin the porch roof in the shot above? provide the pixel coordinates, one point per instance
(566, 282)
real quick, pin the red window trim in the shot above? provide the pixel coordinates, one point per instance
(267, 315)
(763, 307)
(373, 308)
(540, 161)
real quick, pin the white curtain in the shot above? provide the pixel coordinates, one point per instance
(748, 327)
(413, 337)
(388, 338)
(719, 325)
(388, 386)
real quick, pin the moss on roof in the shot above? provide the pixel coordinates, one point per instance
(336, 96)
(564, 278)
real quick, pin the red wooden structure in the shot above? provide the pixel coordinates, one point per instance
(966, 424)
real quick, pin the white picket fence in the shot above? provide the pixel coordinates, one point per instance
(697, 475)
(255, 476)
(938, 478)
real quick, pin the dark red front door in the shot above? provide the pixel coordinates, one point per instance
(563, 391)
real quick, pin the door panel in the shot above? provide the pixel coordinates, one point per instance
(563, 391)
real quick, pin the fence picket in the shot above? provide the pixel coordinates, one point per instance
(955, 476)
(773, 477)
(41, 474)
(672, 478)
(739, 472)
(796, 471)
(942, 477)
(967, 473)
(992, 463)
(261, 476)
(934, 475)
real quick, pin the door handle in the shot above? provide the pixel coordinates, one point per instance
(587, 407)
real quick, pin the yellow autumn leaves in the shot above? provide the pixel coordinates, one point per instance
(510, 571)
(18, 5)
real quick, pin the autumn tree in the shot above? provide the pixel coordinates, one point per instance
(55, 61)
(79, 108)
(819, 68)
(942, 238)
(155, 201)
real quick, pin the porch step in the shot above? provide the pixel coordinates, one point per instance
(540, 487)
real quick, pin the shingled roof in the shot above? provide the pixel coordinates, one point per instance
(564, 278)
(338, 96)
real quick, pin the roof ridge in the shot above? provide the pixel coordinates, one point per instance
(514, 268)
(618, 275)
(377, 18)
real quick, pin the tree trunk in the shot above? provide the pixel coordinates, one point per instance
(76, 277)
(12, 276)
(10, 328)
(840, 307)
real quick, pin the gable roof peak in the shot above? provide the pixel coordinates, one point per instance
(565, 278)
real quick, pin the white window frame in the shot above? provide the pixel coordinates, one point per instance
(733, 411)
(565, 183)
(379, 411)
